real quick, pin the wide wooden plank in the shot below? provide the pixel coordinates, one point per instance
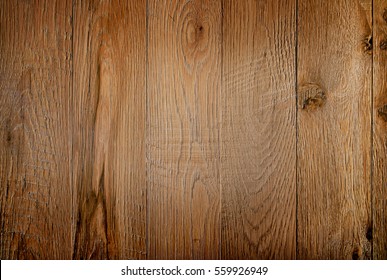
(35, 90)
(334, 128)
(183, 84)
(109, 129)
(379, 194)
(258, 133)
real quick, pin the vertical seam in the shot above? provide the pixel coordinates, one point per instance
(146, 129)
(71, 127)
(220, 129)
(297, 132)
(372, 131)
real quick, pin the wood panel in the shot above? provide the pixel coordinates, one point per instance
(258, 153)
(109, 129)
(379, 195)
(35, 90)
(334, 118)
(198, 129)
(184, 55)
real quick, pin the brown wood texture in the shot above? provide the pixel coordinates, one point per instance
(258, 154)
(193, 129)
(184, 54)
(334, 81)
(379, 194)
(35, 50)
(108, 148)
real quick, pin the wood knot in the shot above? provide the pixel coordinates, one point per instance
(195, 41)
(355, 254)
(195, 33)
(9, 131)
(196, 241)
(311, 96)
(369, 233)
(383, 45)
(382, 112)
(367, 45)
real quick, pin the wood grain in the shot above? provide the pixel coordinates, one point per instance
(258, 134)
(184, 55)
(334, 118)
(379, 195)
(109, 130)
(193, 129)
(35, 88)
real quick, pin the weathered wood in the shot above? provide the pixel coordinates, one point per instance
(108, 112)
(184, 54)
(202, 129)
(35, 90)
(258, 151)
(379, 195)
(334, 119)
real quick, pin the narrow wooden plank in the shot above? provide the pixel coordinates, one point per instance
(379, 195)
(334, 124)
(258, 154)
(183, 129)
(109, 129)
(35, 90)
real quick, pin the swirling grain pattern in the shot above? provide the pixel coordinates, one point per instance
(35, 72)
(258, 134)
(193, 129)
(108, 151)
(334, 138)
(183, 129)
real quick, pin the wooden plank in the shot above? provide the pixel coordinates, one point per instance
(184, 55)
(379, 195)
(258, 154)
(334, 125)
(109, 129)
(35, 90)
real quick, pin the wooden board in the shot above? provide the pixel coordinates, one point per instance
(258, 151)
(334, 128)
(184, 55)
(35, 90)
(195, 129)
(109, 130)
(379, 195)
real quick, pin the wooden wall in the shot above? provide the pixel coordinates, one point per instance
(202, 129)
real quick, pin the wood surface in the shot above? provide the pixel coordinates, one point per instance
(334, 82)
(35, 85)
(184, 54)
(108, 117)
(193, 129)
(258, 133)
(379, 194)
